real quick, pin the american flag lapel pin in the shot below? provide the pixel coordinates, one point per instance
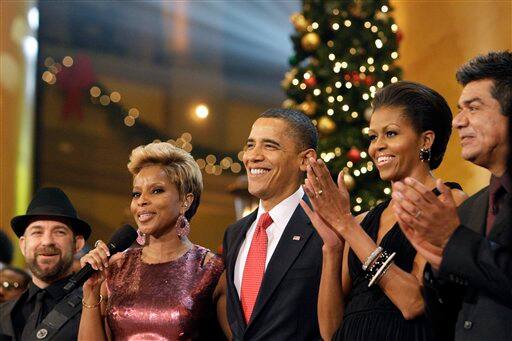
(296, 238)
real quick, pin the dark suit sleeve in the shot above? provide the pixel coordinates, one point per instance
(471, 260)
(225, 246)
(443, 300)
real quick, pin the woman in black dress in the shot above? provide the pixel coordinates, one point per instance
(371, 277)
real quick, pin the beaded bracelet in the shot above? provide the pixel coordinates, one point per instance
(375, 266)
(369, 260)
(92, 306)
(382, 270)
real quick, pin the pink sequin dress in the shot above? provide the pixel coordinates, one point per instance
(166, 301)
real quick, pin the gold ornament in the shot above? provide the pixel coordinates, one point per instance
(356, 9)
(288, 103)
(326, 125)
(308, 107)
(288, 77)
(310, 41)
(349, 181)
(368, 113)
(382, 16)
(301, 24)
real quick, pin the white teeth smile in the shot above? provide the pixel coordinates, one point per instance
(384, 159)
(258, 171)
(145, 217)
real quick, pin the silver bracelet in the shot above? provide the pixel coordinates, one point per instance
(369, 260)
(382, 270)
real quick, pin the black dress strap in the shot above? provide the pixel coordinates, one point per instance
(451, 185)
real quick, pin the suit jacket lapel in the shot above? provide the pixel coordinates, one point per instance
(232, 256)
(478, 215)
(285, 254)
(477, 218)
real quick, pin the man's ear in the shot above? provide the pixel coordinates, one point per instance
(428, 139)
(79, 243)
(189, 198)
(305, 156)
(22, 242)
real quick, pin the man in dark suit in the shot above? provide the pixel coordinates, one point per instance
(468, 285)
(274, 256)
(50, 235)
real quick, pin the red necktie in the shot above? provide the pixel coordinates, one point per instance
(255, 266)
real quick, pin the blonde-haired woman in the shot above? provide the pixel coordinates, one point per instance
(166, 289)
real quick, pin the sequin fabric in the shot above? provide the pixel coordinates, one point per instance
(166, 301)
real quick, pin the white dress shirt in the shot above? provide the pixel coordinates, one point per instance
(280, 215)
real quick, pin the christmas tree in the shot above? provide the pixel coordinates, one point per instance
(344, 51)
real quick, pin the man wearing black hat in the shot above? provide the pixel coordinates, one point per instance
(50, 234)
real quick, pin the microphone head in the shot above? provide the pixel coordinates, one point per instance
(122, 239)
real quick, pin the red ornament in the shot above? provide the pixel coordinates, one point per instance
(311, 81)
(399, 36)
(75, 82)
(369, 80)
(354, 155)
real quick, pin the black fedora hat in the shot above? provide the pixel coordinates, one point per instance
(51, 202)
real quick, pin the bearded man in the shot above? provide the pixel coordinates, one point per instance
(50, 234)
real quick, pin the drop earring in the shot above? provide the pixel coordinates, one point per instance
(141, 238)
(182, 226)
(425, 154)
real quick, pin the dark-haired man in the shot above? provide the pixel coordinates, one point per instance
(50, 234)
(13, 282)
(274, 256)
(469, 281)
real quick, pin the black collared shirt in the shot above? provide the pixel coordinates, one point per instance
(26, 303)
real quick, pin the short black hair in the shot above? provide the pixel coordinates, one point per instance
(6, 249)
(301, 126)
(496, 66)
(426, 110)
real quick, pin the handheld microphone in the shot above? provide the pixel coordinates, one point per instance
(120, 241)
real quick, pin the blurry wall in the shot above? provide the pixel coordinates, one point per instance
(439, 36)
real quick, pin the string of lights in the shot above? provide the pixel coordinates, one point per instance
(99, 95)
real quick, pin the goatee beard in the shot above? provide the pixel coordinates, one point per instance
(58, 271)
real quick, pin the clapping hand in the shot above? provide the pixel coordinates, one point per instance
(330, 202)
(427, 220)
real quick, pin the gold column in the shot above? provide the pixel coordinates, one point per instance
(18, 56)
